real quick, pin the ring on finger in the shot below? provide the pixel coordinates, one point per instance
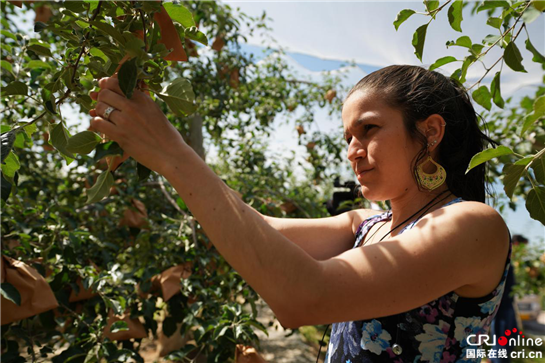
(108, 112)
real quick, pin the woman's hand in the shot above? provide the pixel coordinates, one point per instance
(136, 124)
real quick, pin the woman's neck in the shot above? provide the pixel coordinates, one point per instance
(408, 204)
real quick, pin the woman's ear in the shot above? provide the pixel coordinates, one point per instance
(434, 129)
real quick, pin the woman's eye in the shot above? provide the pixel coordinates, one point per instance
(348, 140)
(368, 127)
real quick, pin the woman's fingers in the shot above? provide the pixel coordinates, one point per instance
(103, 126)
(110, 83)
(113, 99)
(114, 116)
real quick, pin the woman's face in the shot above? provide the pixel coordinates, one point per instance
(379, 147)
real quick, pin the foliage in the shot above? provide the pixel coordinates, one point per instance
(519, 128)
(90, 223)
(529, 268)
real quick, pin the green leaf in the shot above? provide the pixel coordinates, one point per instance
(15, 88)
(169, 326)
(40, 50)
(419, 38)
(96, 193)
(512, 174)
(483, 97)
(119, 326)
(491, 39)
(530, 14)
(179, 97)
(464, 41)
(92, 355)
(539, 106)
(10, 165)
(135, 47)
(98, 53)
(431, 5)
(198, 36)
(19, 141)
(494, 22)
(8, 34)
(7, 139)
(538, 57)
(402, 16)
(537, 113)
(535, 203)
(5, 187)
(442, 61)
(496, 91)
(39, 26)
(513, 58)
(151, 6)
(82, 24)
(127, 75)
(6, 65)
(538, 166)
(83, 142)
(455, 15)
(109, 30)
(468, 61)
(476, 49)
(180, 14)
(10, 293)
(143, 172)
(488, 4)
(107, 149)
(59, 139)
(37, 64)
(220, 331)
(487, 155)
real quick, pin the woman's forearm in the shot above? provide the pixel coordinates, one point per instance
(276, 268)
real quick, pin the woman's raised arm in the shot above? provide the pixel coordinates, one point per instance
(322, 238)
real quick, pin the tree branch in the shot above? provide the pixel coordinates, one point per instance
(144, 28)
(496, 42)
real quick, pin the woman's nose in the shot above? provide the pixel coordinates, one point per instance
(355, 150)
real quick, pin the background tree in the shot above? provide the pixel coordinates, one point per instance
(520, 128)
(119, 249)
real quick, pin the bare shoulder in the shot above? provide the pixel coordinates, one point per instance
(470, 220)
(478, 217)
(359, 215)
(482, 233)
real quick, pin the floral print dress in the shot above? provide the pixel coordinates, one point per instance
(434, 332)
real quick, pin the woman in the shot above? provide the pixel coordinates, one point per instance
(418, 280)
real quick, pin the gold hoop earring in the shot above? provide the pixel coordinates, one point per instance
(431, 181)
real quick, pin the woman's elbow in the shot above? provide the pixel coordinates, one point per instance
(295, 315)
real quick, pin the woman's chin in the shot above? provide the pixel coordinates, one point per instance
(371, 195)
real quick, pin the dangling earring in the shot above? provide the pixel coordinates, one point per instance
(431, 181)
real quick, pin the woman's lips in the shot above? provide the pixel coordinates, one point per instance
(364, 172)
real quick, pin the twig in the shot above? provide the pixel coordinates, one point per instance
(75, 66)
(177, 207)
(17, 129)
(91, 206)
(434, 12)
(496, 42)
(76, 315)
(144, 28)
(97, 11)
